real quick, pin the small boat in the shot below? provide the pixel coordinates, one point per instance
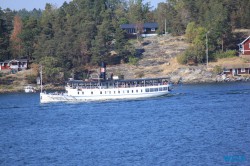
(108, 89)
(29, 89)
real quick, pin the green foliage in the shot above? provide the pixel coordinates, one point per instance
(31, 79)
(190, 32)
(196, 52)
(51, 69)
(226, 54)
(133, 60)
(182, 59)
(84, 32)
(193, 55)
(217, 69)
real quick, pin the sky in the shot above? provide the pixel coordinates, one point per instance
(31, 4)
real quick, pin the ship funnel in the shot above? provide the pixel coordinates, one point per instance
(103, 71)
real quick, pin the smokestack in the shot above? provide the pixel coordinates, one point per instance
(103, 71)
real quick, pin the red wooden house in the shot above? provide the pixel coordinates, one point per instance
(236, 69)
(244, 48)
(20, 64)
(5, 65)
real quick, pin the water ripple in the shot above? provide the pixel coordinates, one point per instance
(195, 125)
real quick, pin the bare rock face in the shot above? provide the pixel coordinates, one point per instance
(156, 55)
(158, 59)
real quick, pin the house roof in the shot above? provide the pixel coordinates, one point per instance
(127, 26)
(236, 66)
(145, 25)
(151, 25)
(6, 61)
(244, 40)
(22, 60)
(15, 60)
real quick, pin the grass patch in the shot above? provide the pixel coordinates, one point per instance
(133, 60)
(226, 54)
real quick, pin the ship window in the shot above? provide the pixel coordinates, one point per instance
(100, 92)
(132, 91)
(114, 92)
(147, 89)
(141, 90)
(160, 89)
(92, 93)
(136, 91)
(165, 88)
(127, 91)
(83, 93)
(118, 91)
(78, 93)
(151, 89)
(156, 89)
(109, 92)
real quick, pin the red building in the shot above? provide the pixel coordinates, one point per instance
(5, 65)
(20, 64)
(236, 69)
(244, 48)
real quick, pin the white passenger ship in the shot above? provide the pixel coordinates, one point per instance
(102, 89)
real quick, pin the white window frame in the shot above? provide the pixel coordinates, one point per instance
(226, 70)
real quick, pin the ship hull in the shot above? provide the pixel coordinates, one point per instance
(104, 94)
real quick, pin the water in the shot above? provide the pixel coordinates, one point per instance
(197, 125)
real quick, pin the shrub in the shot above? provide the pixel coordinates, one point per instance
(182, 59)
(31, 79)
(190, 56)
(217, 69)
(133, 60)
(227, 54)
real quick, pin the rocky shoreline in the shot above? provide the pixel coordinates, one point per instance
(193, 76)
(217, 79)
(20, 89)
(190, 77)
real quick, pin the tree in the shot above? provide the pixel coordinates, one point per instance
(138, 11)
(190, 32)
(167, 14)
(101, 44)
(51, 69)
(196, 52)
(16, 42)
(4, 42)
(28, 36)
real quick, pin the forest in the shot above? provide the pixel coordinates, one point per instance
(83, 33)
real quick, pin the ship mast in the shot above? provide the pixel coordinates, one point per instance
(41, 78)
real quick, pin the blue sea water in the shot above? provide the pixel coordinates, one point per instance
(207, 124)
